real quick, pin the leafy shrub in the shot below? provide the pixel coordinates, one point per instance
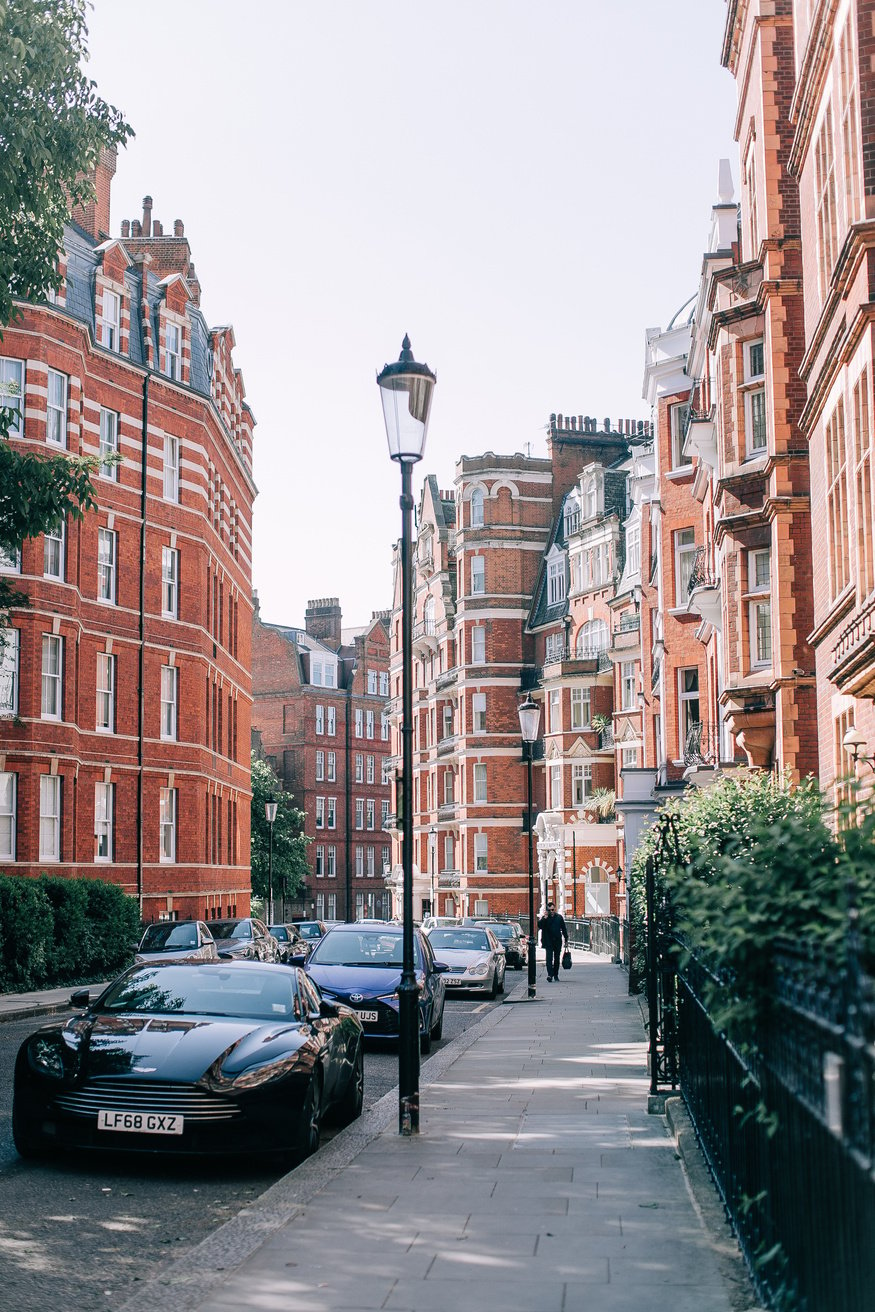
(758, 860)
(58, 931)
(26, 917)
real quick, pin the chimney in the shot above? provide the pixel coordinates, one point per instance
(157, 229)
(147, 216)
(322, 620)
(178, 228)
(94, 216)
(136, 228)
(126, 227)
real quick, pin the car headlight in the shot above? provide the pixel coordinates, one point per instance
(482, 968)
(45, 1057)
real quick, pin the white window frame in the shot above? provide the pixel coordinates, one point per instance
(372, 682)
(683, 552)
(108, 443)
(359, 767)
(629, 758)
(478, 781)
(581, 782)
(678, 414)
(478, 644)
(320, 719)
(755, 397)
(555, 779)
(476, 512)
(169, 703)
(481, 854)
(628, 686)
(172, 451)
(384, 727)
(369, 724)
(556, 580)
(370, 813)
(168, 807)
(331, 766)
(762, 606)
(55, 553)
(478, 712)
(330, 860)
(50, 817)
(359, 861)
(12, 392)
(320, 813)
(330, 720)
(369, 769)
(331, 812)
(685, 698)
(56, 408)
(170, 582)
(104, 814)
(110, 320)
(359, 724)
(478, 576)
(8, 814)
(359, 813)
(105, 693)
(52, 694)
(319, 866)
(172, 350)
(320, 767)
(755, 558)
(384, 683)
(107, 566)
(10, 657)
(554, 711)
(581, 708)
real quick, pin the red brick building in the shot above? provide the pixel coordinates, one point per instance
(320, 696)
(125, 693)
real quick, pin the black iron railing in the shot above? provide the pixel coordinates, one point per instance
(701, 575)
(789, 1128)
(702, 744)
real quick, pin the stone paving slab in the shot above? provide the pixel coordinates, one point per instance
(538, 1184)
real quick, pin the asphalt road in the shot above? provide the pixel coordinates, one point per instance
(80, 1232)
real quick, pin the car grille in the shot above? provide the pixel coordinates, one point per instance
(147, 1096)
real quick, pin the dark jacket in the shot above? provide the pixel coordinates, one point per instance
(552, 929)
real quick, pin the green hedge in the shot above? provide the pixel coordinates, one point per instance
(63, 931)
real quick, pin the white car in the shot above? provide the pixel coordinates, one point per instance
(475, 958)
(177, 940)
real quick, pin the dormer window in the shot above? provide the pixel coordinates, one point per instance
(110, 320)
(590, 499)
(173, 351)
(477, 508)
(572, 516)
(556, 579)
(323, 672)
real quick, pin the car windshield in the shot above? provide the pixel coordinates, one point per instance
(310, 930)
(230, 929)
(462, 940)
(359, 947)
(196, 989)
(169, 935)
(279, 932)
(504, 933)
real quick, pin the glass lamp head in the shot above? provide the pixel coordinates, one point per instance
(530, 719)
(406, 389)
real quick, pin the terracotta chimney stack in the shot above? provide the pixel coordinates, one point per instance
(147, 216)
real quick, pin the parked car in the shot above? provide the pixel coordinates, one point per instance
(191, 1057)
(510, 936)
(311, 930)
(173, 940)
(432, 922)
(361, 965)
(475, 958)
(246, 939)
(293, 949)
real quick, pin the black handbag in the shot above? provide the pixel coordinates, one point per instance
(566, 960)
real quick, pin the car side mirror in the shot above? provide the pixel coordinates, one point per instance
(440, 967)
(80, 998)
(328, 1009)
(297, 959)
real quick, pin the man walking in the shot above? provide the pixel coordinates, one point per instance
(553, 933)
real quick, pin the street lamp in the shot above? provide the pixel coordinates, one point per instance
(432, 834)
(270, 816)
(530, 717)
(406, 390)
(855, 745)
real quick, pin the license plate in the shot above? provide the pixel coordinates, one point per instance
(369, 1017)
(140, 1122)
(453, 979)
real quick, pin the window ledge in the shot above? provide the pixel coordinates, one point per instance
(681, 471)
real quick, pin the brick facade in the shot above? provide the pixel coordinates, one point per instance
(320, 696)
(156, 582)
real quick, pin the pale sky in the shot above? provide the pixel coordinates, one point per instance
(524, 186)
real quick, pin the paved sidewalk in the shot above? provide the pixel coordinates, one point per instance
(539, 1183)
(42, 1002)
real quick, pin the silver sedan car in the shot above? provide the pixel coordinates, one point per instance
(475, 958)
(177, 940)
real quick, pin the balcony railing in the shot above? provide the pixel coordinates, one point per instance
(700, 575)
(629, 624)
(447, 811)
(446, 746)
(446, 679)
(597, 656)
(702, 745)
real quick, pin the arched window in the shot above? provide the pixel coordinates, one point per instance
(572, 515)
(597, 891)
(428, 615)
(592, 638)
(477, 508)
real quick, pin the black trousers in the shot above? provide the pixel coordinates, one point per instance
(554, 953)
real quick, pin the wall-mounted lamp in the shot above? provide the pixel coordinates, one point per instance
(855, 745)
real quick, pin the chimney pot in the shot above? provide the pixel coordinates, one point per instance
(157, 229)
(136, 228)
(126, 227)
(147, 216)
(178, 228)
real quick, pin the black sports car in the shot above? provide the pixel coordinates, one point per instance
(210, 1057)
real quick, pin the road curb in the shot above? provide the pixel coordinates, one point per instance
(188, 1283)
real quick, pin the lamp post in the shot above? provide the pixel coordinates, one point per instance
(406, 390)
(530, 716)
(270, 816)
(432, 834)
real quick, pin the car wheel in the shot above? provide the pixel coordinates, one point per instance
(493, 992)
(29, 1143)
(349, 1108)
(425, 1041)
(311, 1118)
(501, 983)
